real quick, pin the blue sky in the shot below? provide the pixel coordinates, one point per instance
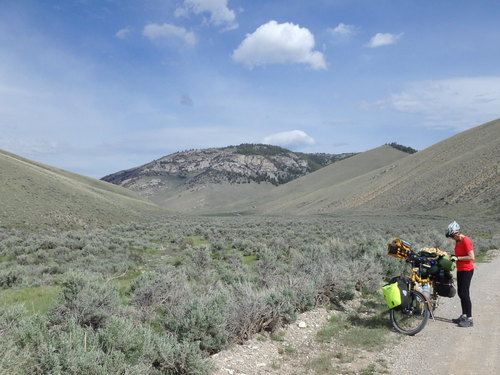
(97, 86)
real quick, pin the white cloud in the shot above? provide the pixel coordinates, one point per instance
(453, 103)
(383, 39)
(344, 29)
(155, 31)
(123, 33)
(274, 43)
(220, 14)
(291, 139)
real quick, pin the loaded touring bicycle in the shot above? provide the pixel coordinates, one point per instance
(413, 297)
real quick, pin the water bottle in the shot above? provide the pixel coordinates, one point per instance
(426, 290)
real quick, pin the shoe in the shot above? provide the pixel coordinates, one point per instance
(459, 319)
(466, 323)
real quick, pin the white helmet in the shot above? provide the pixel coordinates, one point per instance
(452, 229)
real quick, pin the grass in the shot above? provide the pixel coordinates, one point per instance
(35, 299)
(124, 282)
(365, 338)
(249, 260)
(287, 349)
(321, 365)
(278, 335)
(336, 324)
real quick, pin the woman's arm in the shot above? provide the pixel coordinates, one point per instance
(469, 256)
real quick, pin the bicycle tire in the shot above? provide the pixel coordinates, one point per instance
(411, 320)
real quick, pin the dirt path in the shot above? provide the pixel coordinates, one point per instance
(441, 348)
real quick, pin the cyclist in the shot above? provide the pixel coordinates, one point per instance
(464, 256)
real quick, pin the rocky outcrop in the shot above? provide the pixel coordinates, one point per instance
(235, 164)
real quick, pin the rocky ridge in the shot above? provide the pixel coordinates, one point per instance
(245, 163)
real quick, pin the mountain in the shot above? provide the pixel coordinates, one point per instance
(200, 180)
(38, 196)
(459, 175)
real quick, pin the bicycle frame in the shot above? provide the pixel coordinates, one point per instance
(417, 281)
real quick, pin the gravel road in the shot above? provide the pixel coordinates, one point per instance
(443, 348)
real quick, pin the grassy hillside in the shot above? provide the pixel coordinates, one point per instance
(456, 176)
(307, 194)
(35, 196)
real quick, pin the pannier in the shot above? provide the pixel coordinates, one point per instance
(399, 249)
(443, 282)
(397, 293)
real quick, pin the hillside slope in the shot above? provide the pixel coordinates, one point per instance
(35, 196)
(308, 193)
(459, 175)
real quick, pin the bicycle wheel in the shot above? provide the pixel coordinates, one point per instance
(413, 319)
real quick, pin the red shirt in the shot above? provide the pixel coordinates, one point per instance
(461, 249)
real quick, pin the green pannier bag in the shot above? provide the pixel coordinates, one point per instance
(397, 293)
(392, 295)
(446, 264)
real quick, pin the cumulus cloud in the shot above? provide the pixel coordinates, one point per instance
(454, 103)
(220, 14)
(123, 33)
(291, 139)
(168, 31)
(274, 43)
(383, 39)
(343, 29)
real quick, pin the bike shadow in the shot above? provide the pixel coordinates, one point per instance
(440, 319)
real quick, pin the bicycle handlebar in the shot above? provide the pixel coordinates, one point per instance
(416, 260)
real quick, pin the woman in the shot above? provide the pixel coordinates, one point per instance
(464, 256)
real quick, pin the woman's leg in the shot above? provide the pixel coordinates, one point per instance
(463, 284)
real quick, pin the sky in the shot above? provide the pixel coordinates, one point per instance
(98, 86)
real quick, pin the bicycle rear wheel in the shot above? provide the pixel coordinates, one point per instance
(411, 320)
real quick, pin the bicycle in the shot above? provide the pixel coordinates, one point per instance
(423, 293)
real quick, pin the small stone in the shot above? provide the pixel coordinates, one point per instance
(302, 324)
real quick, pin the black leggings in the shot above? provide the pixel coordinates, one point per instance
(463, 283)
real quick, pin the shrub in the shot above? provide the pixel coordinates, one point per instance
(11, 277)
(90, 304)
(165, 289)
(38, 348)
(202, 320)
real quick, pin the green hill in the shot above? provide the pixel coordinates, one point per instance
(456, 176)
(35, 196)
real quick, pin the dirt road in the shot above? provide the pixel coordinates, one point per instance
(442, 348)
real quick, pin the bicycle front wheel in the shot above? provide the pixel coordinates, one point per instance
(411, 320)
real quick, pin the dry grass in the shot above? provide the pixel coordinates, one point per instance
(36, 196)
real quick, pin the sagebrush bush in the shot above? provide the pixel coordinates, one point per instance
(123, 347)
(202, 320)
(164, 290)
(85, 301)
